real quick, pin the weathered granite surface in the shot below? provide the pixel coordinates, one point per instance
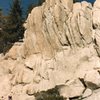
(61, 48)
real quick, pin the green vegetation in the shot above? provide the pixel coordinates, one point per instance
(52, 94)
(1, 33)
(11, 26)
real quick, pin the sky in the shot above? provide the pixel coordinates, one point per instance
(5, 4)
(89, 0)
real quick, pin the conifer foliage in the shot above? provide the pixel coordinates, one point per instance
(13, 28)
(1, 40)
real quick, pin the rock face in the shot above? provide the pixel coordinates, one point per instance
(61, 49)
(57, 25)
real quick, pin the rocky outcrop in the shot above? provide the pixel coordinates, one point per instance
(57, 25)
(60, 49)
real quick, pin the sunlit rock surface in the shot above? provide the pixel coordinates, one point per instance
(61, 49)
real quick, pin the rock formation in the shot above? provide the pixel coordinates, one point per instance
(61, 49)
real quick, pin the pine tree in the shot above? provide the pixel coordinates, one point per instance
(0, 18)
(13, 28)
(1, 33)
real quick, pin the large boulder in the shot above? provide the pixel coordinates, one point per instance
(92, 79)
(56, 25)
(96, 14)
(61, 43)
(72, 89)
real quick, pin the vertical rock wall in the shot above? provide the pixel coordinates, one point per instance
(60, 49)
(56, 25)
